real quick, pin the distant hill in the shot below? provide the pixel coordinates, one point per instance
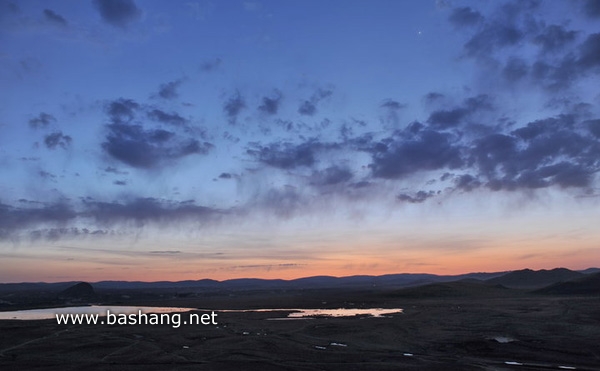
(530, 279)
(590, 271)
(587, 285)
(526, 279)
(463, 288)
(82, 290)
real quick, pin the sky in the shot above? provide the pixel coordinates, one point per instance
(154, 140)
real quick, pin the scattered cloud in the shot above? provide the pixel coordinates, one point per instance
(148, 148)
(554, 38)
(287, 155)
(427, 150)
(234, 105)
(331, 176)
(169, 90)
(119, 13)
(417, 198)
(210, 65)
(167, 118)
(465, 17)
(14, 220)
(270, 105)
(55, 18)
(309, 107)
(52, 221)
(141, 211)
(42, 120)
(122, 110)
(57, 139)
(110, 169)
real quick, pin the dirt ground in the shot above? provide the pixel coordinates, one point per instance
(508, 331)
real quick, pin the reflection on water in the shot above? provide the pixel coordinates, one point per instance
(342, 312)
(50, 313)
(295, 313)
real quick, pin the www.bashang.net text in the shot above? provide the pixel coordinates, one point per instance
(172, 319)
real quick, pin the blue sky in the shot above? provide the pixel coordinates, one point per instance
(153, 140)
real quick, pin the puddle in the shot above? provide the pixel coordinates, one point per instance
(503, 339)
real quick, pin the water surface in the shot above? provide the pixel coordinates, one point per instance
(50, 313)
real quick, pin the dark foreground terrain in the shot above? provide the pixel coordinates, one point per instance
(453, 326)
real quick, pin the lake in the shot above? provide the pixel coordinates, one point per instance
(50, 313)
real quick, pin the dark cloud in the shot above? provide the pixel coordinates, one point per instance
(508, 25)
(493, 37)
(122, 110)
(46, 175)
(560, 62)
(225, 176)
(444, 119)
(113, 170)
(140, 211)
(563, 174)
(233, 107)
(417, 198)
(287, 155)
(167, 118)
(427, 150)
(467, 182)
(55, 234)
(13, 220)
(160, 143)
(118, 13)
(169, 90)
(43, 120)
(591, 8)
(57, 139)
(594, 126)
(554, 38)
(590, 52)
(392, 104)
(563, 72)
(148, 148)
(51, 221)
(493, 151)
(270, 105)
(120, 182)
(479, 103)
(433, 97)
(392, 107)
(541, 154)
(55, 18)
(309, 107)
(331, 176)
(556, 77)
(465, 16)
